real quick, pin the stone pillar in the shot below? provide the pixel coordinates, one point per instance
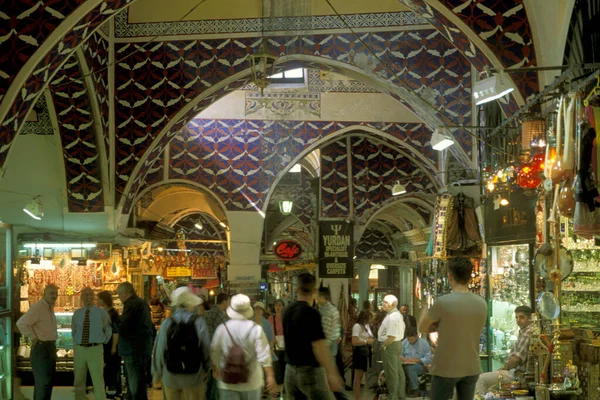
(364, 269)
(244, 233)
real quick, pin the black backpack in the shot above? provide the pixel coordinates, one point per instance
(183, 353)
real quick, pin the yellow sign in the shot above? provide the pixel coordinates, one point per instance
(178, 271)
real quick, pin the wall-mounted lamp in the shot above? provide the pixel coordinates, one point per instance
(198, 225)
(285, 206)
(377, 266)
(35, 209)
(398, 189)
(492, 88)
(262, 65)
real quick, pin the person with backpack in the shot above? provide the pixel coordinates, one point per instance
(239, 353)
(182, 349)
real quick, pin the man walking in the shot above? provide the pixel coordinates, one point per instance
(136, 333)
(459, 318)
(39, 324)
(516, 363)
(91, 327)
(215, 317)
(390, 336)
(310, 372)
(330, 319)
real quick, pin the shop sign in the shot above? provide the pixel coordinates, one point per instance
(336, 249)
(178, 271)
(287, 250)
(201, 272)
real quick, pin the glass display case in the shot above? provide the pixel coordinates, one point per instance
(64, 345)
(6, 355)
(510, 280)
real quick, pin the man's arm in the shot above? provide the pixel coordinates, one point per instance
(338, 326)
(74, 326)
(26, 322)
(513, 362)
(106, 326)
(425, 353)
(427, 324)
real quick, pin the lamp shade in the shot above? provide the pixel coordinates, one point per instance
(491, 88)
(532, 131)
(440, 140)
(398, 189)
(285, 206)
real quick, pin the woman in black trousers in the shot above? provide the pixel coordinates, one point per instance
(112, 360)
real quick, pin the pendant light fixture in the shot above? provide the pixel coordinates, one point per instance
(398, 189)
(35, 209)
(492, 88)
(440, 140)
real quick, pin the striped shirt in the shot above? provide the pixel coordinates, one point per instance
(330, 319)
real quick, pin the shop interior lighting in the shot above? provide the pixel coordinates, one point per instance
(223, 224)
(441, 140)
(398, 189)
(492, 88)
(377, 266)
(35, 209)
(59, 245)
(198, 225)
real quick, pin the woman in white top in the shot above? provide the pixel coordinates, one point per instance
(362, 339)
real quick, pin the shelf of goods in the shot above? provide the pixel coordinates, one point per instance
(581, 290)
(64, 346)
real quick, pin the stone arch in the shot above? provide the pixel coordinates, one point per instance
(431, 118)
(359, 130)
(215, 200)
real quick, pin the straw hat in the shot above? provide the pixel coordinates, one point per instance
(183, 297)
(239, 307)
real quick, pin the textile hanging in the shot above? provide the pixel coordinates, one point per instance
(442, 218)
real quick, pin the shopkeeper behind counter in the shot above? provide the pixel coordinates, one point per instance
(517, 358)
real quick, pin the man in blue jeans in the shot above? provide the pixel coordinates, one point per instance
(416, 354)
(459, 318)
(136, 333)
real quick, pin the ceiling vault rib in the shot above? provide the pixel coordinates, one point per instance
(96, 115)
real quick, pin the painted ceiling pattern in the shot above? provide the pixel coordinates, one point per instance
(27, 25)
(240, 159)
(375, 169)
(43, 123)
(373, 245)
(335, 191)
(153, 83)
(76, 125)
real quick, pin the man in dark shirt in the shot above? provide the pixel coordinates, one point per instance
(310, 372)
(136, 333)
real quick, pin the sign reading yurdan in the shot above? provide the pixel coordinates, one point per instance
(336, 249)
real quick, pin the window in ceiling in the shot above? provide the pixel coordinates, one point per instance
(290, 78)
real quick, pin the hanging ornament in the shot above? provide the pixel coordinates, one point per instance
(566, 200)
(538, 162)
(528, 177)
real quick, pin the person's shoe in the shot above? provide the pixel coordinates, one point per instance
(348, 388)
(413, 394)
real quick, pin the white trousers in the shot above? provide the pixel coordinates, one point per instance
(92, 359)
(489, 379)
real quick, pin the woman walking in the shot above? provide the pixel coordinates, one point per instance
(362, 339)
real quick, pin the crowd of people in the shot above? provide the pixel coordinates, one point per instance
(240, 350)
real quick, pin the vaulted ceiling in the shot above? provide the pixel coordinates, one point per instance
(123, 84)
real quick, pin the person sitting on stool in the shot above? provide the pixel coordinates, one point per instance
(416, 354)
(517, 358)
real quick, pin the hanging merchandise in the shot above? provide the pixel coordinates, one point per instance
(529, 177)
(557, 173)
(463, 231)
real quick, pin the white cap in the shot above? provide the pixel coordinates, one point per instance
(391, 299)
(239, 307)
(183, 297)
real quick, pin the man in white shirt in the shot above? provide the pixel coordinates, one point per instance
(390, 336)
